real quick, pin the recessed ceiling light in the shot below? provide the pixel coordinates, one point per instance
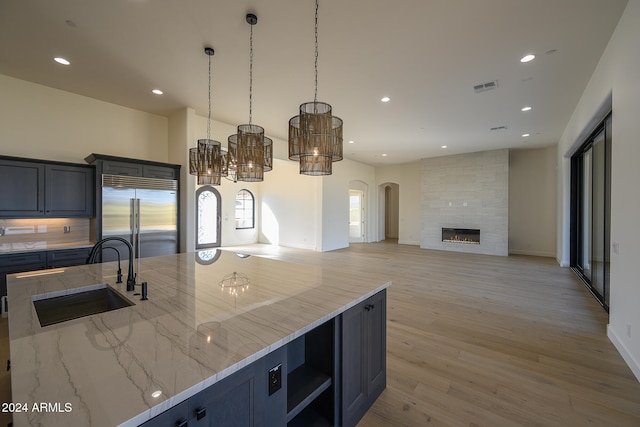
(385, 99)
(527, 108)
(524, 135)
(443, 146)
(157, 91)
(351, 142)
(61, 60)
(527, 58)
(384, 155)
(156, 394)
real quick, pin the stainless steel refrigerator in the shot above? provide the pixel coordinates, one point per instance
(143, 211)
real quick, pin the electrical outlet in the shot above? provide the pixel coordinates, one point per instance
(275, 379)
(629, 330)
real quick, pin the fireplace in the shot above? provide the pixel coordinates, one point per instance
(468, 236)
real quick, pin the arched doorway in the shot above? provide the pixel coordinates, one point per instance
(388, 210)
(208, 220)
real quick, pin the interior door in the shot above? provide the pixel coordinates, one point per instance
(356, 216)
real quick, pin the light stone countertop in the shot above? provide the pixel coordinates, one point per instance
(187, 336)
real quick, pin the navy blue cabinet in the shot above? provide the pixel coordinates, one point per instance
(35, 189)
(19, 262)
(364, 359)
(329, 376)
(39, 260)
(22, 189)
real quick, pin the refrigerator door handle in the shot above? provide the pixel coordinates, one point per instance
(132, 224)
(138, 228)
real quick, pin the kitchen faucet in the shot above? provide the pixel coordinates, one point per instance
(131, 276)
(119, 277)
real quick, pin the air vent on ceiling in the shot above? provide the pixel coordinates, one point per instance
(499, 128)
(483, 87)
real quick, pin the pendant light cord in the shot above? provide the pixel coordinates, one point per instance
(251, 75)
(315, 96)
(209, 117)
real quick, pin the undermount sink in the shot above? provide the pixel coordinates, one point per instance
(56, 309)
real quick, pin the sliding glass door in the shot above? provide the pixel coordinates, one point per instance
(591, 174)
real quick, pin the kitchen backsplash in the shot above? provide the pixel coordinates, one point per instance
(39, 233)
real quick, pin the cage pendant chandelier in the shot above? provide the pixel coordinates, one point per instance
(206, 160)
(250, 152)
(315, 135)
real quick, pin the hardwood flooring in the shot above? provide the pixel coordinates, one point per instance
(477, 340)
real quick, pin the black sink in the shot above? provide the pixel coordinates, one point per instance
(73, 306)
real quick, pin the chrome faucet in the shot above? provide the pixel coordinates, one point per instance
(131, 276)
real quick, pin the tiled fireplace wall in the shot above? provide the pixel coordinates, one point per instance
(466, 191)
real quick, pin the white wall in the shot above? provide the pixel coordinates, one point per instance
(615, 80)
(291, 207)
(45, 123)
(180, 137)
(532, 201)
(335, 203)
(407, 176)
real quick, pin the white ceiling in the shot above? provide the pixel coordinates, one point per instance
(426, 55)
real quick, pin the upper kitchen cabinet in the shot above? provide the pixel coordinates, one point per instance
(22, 189)
(112, 165)
(68, 191)
(33, 188)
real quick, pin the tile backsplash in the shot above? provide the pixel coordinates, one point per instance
(42, 233)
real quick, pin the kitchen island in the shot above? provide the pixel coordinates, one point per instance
(213, 320)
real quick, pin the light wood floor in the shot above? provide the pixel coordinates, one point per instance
(476, 340)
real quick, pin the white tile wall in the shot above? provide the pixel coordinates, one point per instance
(466, 191)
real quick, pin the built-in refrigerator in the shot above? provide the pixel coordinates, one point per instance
(143, 211)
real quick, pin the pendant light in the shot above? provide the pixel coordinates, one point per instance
(250, 152)
(205, 160)
(315, 136)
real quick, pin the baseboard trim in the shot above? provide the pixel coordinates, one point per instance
(408, 242)
(532, 253)
(622, 349)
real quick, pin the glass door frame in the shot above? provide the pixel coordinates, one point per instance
(215, 220)
(598, 286)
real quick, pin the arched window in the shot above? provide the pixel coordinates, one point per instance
(207, 217)
(245, 212)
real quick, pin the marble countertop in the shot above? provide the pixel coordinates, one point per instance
(107, 369)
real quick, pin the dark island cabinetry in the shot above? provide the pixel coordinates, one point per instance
(329, 376)
(36, 189)
(363, 357)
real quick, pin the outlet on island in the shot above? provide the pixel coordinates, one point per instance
(275, 379)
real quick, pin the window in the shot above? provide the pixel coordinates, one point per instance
(244, 209)
(207, 217)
